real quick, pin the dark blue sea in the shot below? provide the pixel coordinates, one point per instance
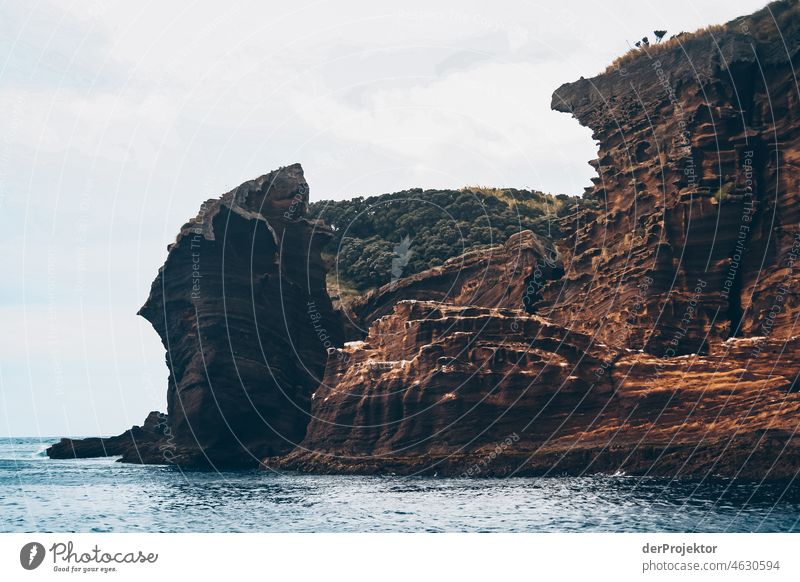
(100, 495)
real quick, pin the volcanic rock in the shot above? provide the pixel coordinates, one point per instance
(139, 444)
(696, 237)
(242, 310)
(668, 347)
(657, 338)
(241, 307)
(510, 275)
(450, 390)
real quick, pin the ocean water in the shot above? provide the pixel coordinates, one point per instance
(100, 495)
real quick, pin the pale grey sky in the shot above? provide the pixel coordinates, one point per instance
(119, 118)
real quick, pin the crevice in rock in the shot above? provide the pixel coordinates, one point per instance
(735, 312)
(531, 293)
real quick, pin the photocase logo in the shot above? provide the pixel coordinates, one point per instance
(31, 555)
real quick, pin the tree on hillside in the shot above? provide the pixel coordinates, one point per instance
(413, 230)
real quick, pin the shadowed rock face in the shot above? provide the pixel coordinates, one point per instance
(236, 304)
(242, 310)
(699, 171)
(140, 444)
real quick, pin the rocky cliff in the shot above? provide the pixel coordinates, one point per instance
(669, 345)
(469, 391)
(697, 233)
(657, 338)
(239, 305)
(242, 310)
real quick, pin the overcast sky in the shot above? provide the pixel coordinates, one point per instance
(119, 118)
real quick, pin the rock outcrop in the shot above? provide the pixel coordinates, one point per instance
(448, 390)
(669, 345)
(698, 228)
(242, 310)
(240, 305)
(140, 444)
(510, 276)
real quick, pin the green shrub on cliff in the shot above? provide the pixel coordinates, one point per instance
(381, 238)
(724, 191)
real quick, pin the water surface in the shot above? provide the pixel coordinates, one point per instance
(100, 495)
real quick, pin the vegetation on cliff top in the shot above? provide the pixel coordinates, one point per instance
(761, 25)
(381, 238)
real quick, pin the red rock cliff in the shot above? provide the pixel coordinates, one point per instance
(670, 346)
(510, 275)
(464, 390)
(696, 238)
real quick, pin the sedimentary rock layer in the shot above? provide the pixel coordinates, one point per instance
(240, 304)
(510, 275)
(698, 230)
(440, 389)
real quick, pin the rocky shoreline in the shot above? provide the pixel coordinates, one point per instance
(659, 337)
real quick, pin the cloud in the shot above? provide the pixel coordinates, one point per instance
(495, 114)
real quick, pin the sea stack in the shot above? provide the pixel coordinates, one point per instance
(243, 313)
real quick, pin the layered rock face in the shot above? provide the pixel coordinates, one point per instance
(240, 304)
(449, 390)
(670, 346)
(697, 234)
(510, 275)
(657, 339)
(433, 385)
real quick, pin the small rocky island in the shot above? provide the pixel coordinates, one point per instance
(657, 336)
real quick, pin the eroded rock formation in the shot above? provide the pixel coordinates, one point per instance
(670, 346)
(449, 390)
(433, 380)
(239, 305)
(140, 444)
(241, 308)
(658, 338)
(697, 233)
(510, 275)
